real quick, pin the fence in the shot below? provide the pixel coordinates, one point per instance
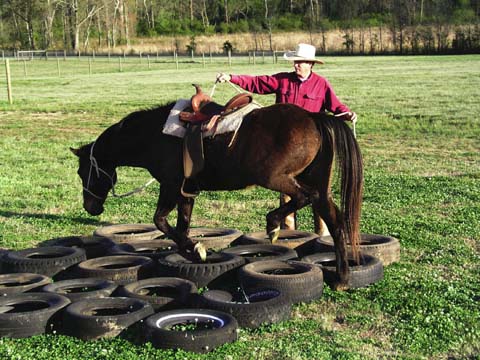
(28, 64)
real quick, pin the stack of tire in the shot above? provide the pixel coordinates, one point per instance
(130, 276)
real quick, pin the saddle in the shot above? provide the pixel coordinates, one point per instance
(203, 115)
(206, 112)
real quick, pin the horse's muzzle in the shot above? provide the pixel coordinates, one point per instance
(93, 206)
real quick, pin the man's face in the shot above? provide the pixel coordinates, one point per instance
(303, 68)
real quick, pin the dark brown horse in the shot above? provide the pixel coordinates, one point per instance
(281, 147)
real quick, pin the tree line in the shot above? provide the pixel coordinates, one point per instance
(85, 24)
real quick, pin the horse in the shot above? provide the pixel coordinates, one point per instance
(281, 147)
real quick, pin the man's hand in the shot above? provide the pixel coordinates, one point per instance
(348, 116)
(221, 77)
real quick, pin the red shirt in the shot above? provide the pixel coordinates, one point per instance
(314, 94)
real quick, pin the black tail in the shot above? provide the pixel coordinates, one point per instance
(350, 165)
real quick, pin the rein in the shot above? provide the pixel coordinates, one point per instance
(98, 170)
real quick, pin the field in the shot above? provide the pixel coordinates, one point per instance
(420, 136)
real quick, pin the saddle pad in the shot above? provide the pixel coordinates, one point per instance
(231, 122)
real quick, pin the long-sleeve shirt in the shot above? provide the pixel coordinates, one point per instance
(313, 94)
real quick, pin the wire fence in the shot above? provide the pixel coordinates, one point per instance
(25, 65)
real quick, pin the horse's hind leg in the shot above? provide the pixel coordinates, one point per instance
(331, 214)
(299, 198)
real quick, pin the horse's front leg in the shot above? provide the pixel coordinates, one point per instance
(169, 194)
(184, 209)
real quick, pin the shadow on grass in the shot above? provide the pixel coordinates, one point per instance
(76, 219)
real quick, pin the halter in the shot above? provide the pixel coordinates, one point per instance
(98, 170)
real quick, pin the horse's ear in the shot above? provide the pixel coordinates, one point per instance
(75, 151)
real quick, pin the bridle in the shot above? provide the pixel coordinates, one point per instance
(98, 170)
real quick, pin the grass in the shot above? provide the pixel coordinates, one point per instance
(418, 130)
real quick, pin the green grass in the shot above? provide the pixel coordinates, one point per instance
(419, 132)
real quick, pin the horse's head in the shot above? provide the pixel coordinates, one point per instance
(98, 177)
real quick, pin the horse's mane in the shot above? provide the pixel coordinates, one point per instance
(147, 119)
(141, 124)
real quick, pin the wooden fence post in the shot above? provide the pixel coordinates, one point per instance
(9, 82)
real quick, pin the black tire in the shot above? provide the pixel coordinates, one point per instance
(252, 310)
(28, 314)
(161, 329)
(21, 282)
(129, 232)
(154, 249)
(302, 241)
(104, 317)
(48, 261)
(162, 293)
(214, 238)
(262, 252)
(298, 281)
(80, 289)
(94, 246)
(386, 248)
(121, 269)
(217, 267)
(368, 272)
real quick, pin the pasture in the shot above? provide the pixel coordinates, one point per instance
(420, 136)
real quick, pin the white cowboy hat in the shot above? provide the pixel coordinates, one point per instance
(304, 52)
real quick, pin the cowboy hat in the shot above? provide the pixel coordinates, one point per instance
(304, 52)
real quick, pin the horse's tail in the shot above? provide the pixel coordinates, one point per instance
(350, 165)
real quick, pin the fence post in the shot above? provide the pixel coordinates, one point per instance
(9, 82)
(64, 55)
(254, 59)
(58, 67)
(176, 59)
(229, 57)
(203, 59)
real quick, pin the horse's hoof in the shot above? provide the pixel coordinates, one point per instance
(273, 235)
(341, 286)
(201, 251)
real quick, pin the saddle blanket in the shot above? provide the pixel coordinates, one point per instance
(231, 122)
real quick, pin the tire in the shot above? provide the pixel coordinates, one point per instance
(129, 232)
(161, 293)
(218, 267)
(262, 252)
(214, 238)
(368, 272)
(80, 289)
(48, 261)
(17, 283)
(28, 314)
(302, 241)
(154, 249)
(92, 319)
(94, 246)
(251, 311)
(160, 330)
(386, 248)
(298, 281)
(121, 269)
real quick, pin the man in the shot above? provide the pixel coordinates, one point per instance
(301, 87)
